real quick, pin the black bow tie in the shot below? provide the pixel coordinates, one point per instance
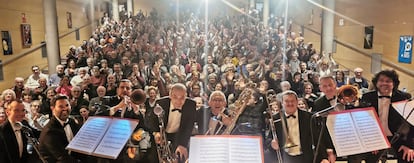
(291, 116)
(384, 97)
(66, 123)
(333, 98)
(179, 110)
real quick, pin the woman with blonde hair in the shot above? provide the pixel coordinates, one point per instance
(7, 96)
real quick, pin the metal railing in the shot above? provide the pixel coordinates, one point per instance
(37, 47)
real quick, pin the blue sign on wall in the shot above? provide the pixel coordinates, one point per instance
(406, 49)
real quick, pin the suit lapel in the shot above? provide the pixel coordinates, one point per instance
(302, 128)
(11, 140)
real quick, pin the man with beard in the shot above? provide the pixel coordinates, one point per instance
(57, 134)
(386, 92)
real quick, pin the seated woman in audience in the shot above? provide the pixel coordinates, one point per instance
(303, 105)
(71, 70)
(84, 115)
(340, 78)
(45, 107)
(35, 119)
(64, 86)
(308, 94)
(98, 78)
(7, 96)
(111, 85)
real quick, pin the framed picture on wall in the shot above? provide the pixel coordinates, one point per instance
(26, 35)
(6, 43)
(69, 19)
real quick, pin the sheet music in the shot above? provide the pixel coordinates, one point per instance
(103, 136)
(115, 138)
(404, 108)
(226, 149)
(89, 136)
(245, 150)
(370, 132)
(356, 131)
(342, 129)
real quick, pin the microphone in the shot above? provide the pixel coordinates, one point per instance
(25, 129)
(158, 110)
(324, 111)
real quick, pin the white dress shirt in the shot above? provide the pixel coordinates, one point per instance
(174, 119)
(68, 130)
(294, 134)
(383, 111)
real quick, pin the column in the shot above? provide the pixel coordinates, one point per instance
(92, 13)
(115, 10)
(328, 26)
(130, 8)
(265, 12)
(51, 35)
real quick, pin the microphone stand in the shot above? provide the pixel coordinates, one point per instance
(31, 140)
(315, 115)
(397, 134)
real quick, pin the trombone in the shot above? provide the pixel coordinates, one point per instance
(272, 100)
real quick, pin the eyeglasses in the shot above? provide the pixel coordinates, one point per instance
(217, 100)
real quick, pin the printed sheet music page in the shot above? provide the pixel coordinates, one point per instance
(356, 131)
(226, 149)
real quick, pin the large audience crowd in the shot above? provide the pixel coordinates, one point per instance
(153, 52)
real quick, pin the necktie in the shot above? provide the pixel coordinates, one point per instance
(179, 110)
(384, 97)
(19, 139)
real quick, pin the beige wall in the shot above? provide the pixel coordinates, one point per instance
(11, 11)
(390, 19)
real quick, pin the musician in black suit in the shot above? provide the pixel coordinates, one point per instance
(211, 120)
(57, 134)
(386, 92)
(327, 84)
(297, 123)
(12, 139)
(122, 106)
(179, 117)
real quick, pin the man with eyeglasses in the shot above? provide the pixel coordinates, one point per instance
(213, 120)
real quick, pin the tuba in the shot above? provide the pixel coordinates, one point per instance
(239, 106)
